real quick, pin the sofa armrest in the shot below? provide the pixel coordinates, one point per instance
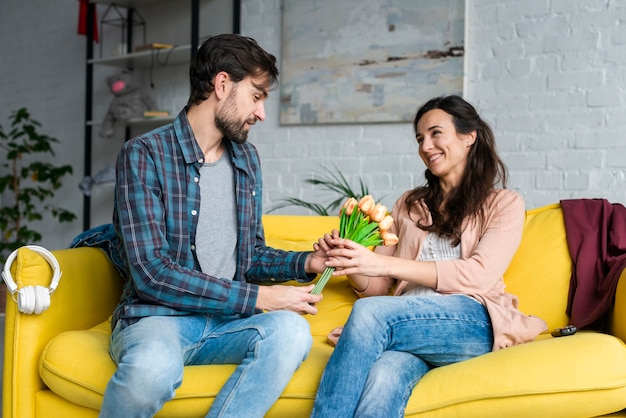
(618, 316)
(88, 291)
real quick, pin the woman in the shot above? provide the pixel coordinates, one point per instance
(457, 236)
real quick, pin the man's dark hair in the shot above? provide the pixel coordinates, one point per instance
(237, 55)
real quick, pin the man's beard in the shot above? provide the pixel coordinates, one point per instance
(229, 124)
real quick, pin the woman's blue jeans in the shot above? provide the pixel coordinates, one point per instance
(389, 343)
(152, 353)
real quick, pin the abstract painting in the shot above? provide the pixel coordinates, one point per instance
(368, 61)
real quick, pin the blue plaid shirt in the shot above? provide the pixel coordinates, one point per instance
(157, 203)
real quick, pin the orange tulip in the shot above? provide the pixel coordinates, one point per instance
(368, 226)
(349, 206)
(385, 224)
(378, 212)
(389, 239)
(366, 204)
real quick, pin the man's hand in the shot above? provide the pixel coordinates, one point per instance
(293, 298)
(316, 261)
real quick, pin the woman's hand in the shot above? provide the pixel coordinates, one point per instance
(350, 258)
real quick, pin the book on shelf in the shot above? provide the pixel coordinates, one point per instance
(156, 114)
(153, 45)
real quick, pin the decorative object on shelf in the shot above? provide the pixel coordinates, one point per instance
(152, 46)
(104, 176)
(129, 102)
(156, 114)
(29, 182)
(128, 20)
(355, 61)
(334, 182)
(364, 222)
(125, 15)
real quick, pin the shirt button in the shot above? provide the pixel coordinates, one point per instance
(193, 248)
(194, 212)
(196, 179)
(253, 193)
(201, 160)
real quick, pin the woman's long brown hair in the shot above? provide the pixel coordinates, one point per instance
(484, 169)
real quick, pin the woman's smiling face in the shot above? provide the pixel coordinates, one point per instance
(442, 148)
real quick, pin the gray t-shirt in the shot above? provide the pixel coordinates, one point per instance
(216, 236)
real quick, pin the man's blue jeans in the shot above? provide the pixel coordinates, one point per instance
(389, 343)
(151, 354)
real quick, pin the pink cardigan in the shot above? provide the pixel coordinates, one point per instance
(486, 252)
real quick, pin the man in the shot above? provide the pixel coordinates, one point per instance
(188, 213)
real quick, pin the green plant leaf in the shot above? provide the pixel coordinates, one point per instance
(27, 182)
(331, 181)
(292, 201)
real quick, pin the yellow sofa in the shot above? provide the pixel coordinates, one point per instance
(57, 364)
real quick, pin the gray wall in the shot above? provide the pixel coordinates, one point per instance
(548, 75)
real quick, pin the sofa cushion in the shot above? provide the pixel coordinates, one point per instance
(76, 365)
(588, 369)
(576, 376)
(540, 271)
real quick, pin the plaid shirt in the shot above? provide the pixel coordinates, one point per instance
(157, 203)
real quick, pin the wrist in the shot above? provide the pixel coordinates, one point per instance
(261, 298)
(307, 263)
(360, 284)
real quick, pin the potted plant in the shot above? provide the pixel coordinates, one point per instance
(332, 182)
(27, 182)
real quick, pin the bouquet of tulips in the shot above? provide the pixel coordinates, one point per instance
(364, 222)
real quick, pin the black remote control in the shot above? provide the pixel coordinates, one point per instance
(565, 331)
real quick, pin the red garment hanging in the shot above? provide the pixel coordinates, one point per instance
(82, 19)
(596, 237)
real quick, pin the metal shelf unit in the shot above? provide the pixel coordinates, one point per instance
(176, 55)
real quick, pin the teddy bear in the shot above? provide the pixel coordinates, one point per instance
(129, 102)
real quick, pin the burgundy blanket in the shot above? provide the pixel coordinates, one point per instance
(596, 237)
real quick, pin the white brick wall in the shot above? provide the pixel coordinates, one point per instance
(563, 62)
(42, 68)
(549, 75)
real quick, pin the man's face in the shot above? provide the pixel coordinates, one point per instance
(244, 105)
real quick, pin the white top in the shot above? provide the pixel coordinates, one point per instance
(435, 247)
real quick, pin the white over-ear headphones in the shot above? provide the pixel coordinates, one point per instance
(32, 299)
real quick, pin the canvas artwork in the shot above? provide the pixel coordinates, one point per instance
(360, 61)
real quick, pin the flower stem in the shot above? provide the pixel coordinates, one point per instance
(323, 280)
